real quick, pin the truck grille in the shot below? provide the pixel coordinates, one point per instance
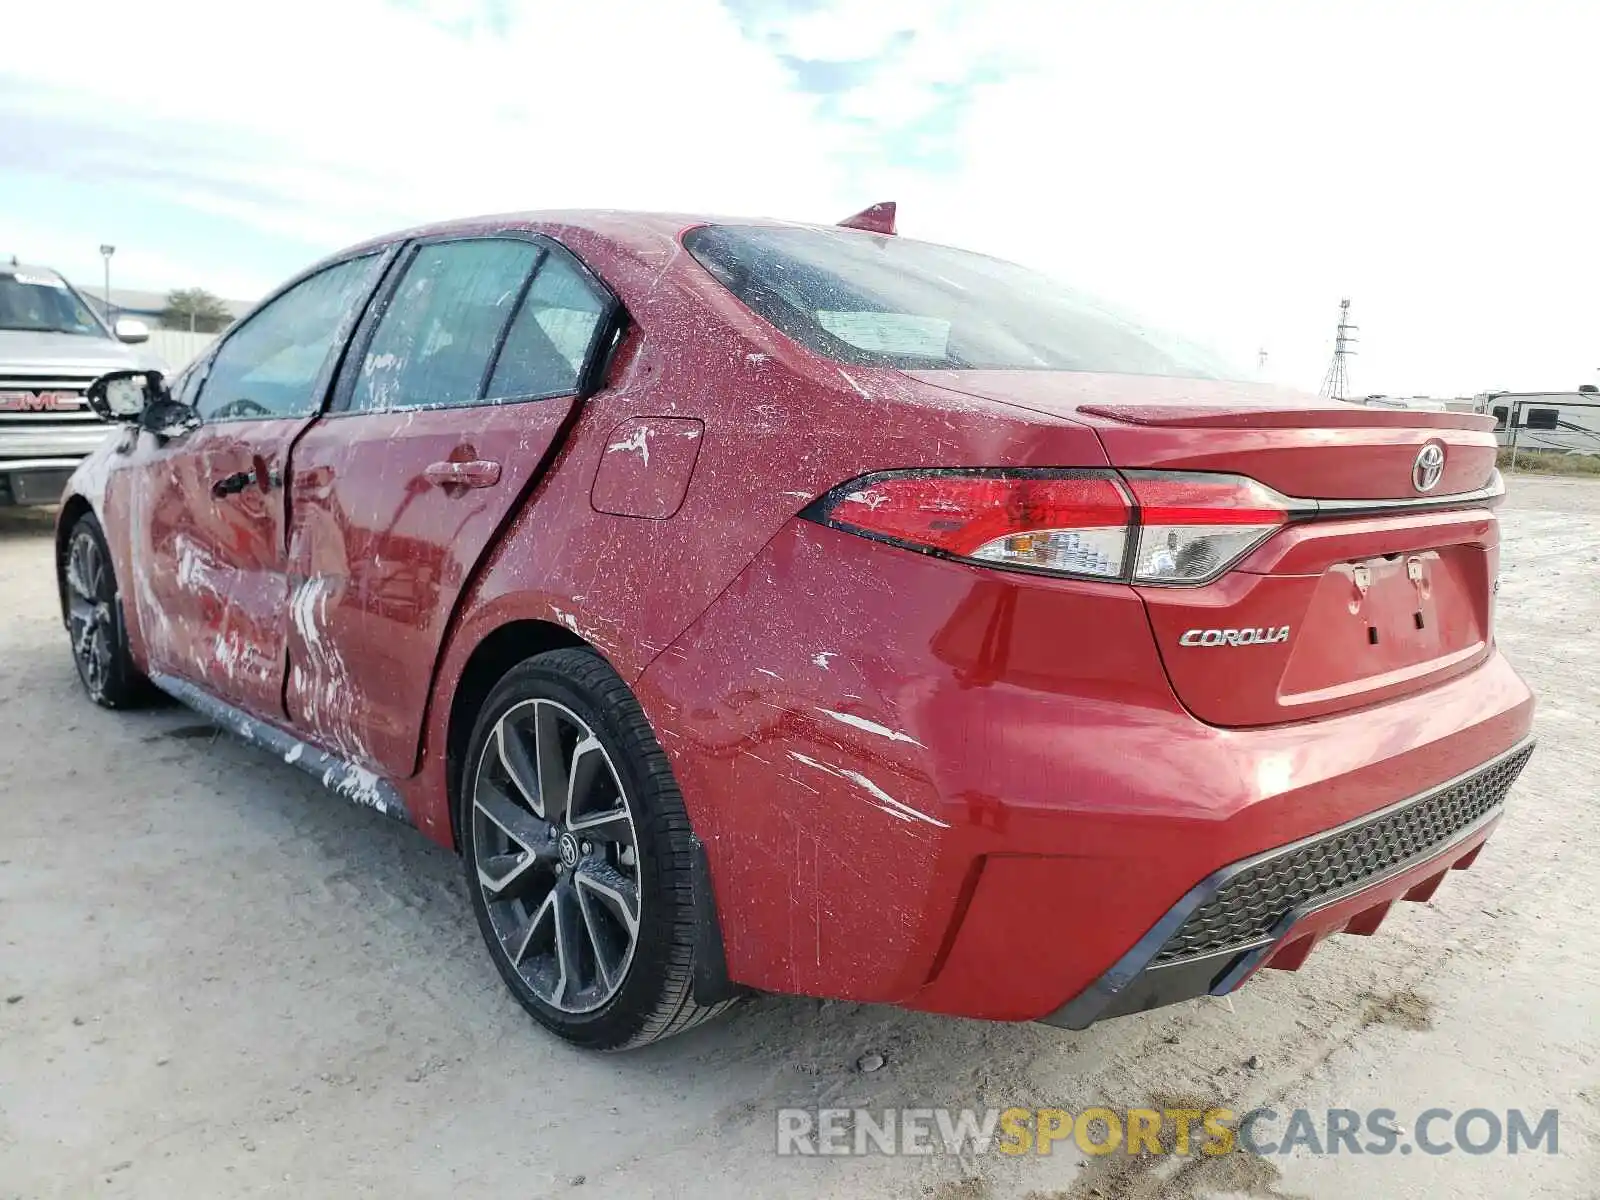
(1246, 909)
(28, 400)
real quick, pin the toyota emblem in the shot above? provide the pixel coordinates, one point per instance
(1429, 467)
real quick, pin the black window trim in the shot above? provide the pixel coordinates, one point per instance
(595, 355)
(332, 365)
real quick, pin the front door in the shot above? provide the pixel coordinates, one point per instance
(454, 393)
(210, 528)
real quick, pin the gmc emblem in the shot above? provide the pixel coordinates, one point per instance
(39, 401)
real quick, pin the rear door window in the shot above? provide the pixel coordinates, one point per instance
(481, 321)
(553, 335)
(440, 330)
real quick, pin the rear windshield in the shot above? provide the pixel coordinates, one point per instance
(43, 304)
(877, 301)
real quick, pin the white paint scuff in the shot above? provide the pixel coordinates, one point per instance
(233, 652)
(637, 442)
(197, 570)
(822, 659)
(850, 379)
(361, 785)
(881, 800)
(154, 625)
(322, 681)
(869, 498)
(861, 723)
(89, 480)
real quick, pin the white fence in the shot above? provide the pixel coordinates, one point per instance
(176, 347)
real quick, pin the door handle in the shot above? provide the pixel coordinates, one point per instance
(474, 473)
(232, 485)
(263, 476)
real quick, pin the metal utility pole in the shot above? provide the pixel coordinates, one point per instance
(1336, 383)
(106, 252)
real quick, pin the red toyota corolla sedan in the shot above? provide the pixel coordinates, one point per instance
(760, 606)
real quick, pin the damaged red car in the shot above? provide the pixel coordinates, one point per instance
(805, 609)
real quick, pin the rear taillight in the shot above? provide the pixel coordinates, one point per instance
(1144, 527)
(1193, 527)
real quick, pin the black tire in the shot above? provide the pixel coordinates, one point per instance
(655, 996)
(97, 631)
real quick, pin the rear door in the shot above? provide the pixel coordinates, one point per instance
(458, 387)
(208, 525)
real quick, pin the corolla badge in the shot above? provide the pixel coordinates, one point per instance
(1429, 467)
(1234, 637)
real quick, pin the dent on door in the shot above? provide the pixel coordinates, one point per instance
(454, 395)
(209, 588)
(390, 513)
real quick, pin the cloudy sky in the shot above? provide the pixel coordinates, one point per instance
(1225, 167)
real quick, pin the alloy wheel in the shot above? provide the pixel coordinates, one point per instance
(89, 617)
(556, 855)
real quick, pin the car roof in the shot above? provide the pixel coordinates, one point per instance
(627, 230)
(648, 239)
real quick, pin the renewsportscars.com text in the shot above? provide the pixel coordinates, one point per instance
(1180, 1131)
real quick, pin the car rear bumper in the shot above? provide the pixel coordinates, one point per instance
(973, 792)
(34, 480)
(1272, 909)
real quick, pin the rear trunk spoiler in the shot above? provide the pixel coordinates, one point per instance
(1332, 417)
(879, 218)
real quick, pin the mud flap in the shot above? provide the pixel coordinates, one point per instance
(711, 982)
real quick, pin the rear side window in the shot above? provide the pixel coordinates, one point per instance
(440, 329)
(273, 364)
(880, 301)
(551, 338)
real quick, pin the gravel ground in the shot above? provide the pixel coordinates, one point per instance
(218, 980)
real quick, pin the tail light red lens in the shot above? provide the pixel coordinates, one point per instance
(1153, 527)
(1193, 527)
(1072, 523)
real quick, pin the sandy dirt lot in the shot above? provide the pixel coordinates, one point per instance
(218, 980)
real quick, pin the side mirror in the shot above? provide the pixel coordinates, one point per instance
(141, 398)
(129, 330)
(125, 395)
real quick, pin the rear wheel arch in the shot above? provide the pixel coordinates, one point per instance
(674, 975)
(496, 653)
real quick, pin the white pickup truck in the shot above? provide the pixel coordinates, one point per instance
(52, 346)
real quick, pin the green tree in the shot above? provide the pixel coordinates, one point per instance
(195, 309)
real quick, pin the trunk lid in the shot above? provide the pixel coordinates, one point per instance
(1387, 590)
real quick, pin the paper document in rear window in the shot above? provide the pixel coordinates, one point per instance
(889, 332)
